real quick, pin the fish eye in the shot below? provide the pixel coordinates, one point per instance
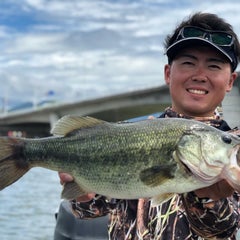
(227, 139)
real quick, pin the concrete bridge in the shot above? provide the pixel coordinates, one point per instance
(39, 120)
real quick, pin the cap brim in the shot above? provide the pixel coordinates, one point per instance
(187, 42)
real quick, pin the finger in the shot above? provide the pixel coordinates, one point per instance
(217, 191)
(224, 189)
(65, 177)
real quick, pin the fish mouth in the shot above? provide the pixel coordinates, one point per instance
(197, 91)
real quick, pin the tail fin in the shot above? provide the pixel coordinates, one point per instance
(12, 166)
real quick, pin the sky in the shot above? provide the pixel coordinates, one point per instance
(73, 50)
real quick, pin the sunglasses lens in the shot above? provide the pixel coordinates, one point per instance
(221, 39)
(192, 32)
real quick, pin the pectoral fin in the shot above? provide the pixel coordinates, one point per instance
(71, 190)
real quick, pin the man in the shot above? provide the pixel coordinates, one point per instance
(203, 53)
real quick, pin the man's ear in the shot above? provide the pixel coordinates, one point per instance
(231, 81)
(167, 70)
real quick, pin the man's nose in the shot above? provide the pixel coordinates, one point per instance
(200, 75)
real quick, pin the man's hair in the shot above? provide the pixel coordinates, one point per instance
(206, 21)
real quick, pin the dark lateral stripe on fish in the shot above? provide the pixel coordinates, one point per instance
(156, 175)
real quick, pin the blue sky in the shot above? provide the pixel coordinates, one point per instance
(83, 49)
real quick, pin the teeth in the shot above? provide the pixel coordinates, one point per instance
(195, 91)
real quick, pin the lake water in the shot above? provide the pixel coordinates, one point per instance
(27, 207)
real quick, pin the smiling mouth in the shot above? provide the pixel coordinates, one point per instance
(197, 91)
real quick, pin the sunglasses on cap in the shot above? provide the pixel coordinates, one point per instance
(220, 38)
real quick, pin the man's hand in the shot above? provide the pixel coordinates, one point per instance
(216, 191)
(65, 177)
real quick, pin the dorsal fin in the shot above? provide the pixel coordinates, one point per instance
(70, 123)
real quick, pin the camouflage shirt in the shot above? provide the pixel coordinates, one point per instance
(183, 217)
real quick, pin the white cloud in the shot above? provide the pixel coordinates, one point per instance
(34, 43)
(96, 47)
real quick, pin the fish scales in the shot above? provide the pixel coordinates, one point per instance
(106, 150)
(146, 159)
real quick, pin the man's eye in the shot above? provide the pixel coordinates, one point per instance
(188, 63)
(215, 66)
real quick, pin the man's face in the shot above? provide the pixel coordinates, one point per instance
(198, 78)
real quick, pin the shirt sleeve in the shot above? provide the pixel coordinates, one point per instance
(209, 218)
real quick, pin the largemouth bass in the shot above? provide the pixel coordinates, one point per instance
(146, 159)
